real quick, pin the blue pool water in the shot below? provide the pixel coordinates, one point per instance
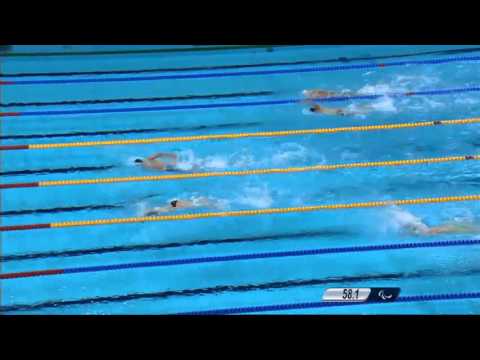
(245, 283)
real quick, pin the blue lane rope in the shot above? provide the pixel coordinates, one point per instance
(240, 66)
(278, 254)
(247, 73)
(245, 103)
(155, 108)
(322, 304)
(252, 256)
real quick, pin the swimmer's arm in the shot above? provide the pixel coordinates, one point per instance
(333, 111)
(325, 110)
(167, 155)
(185, 204)
(158, 165)
(454, 229)
(319, 94)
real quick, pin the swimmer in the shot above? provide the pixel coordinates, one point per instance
(419, 228)
(322, 94)
(168, 164)
(317, 109)
(412, 225)
(181, 204)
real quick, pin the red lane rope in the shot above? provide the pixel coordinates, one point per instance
(14, 147)
(19, 185)
(10, 114)
(30, 274)
(25, 227)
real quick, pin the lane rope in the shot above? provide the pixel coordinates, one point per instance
(115, 132)
(242, 257)
(219, 105)
(322, 304)
(222, 289)
(240, 66)
(113, 180)
(208, 215)
(207, 75)
(242, 135)
(133, 100)
(142, 51)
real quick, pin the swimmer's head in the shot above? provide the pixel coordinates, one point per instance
(174, 203)
(138, 161)
(313, 109)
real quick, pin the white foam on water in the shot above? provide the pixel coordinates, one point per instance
(256, 196)
(384, 104)
(412, 82)
(222, 204)
(378, 89)
(242, 159)
(398, 219)
(289, 153)
(142, 208)
(215, 162)
(433, 103)
(186, 160)
(400, 84)
(189, 161)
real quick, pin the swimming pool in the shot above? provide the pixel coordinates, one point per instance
(232, 263)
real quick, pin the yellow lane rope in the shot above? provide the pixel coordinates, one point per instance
(372, 204)
(253, 135)
(257, 171)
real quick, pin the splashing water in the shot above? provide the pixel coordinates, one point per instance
(257, 197)
(398, 220)
(290, 152)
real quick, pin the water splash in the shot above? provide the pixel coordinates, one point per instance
(256, 196)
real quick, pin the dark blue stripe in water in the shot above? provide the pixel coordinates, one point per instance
(279, 254)
(246, 73)
(247, 103)
(289, 284)
(132, 100)
(321, 304)
(156, 108)
(240, 66)
(328, 233)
